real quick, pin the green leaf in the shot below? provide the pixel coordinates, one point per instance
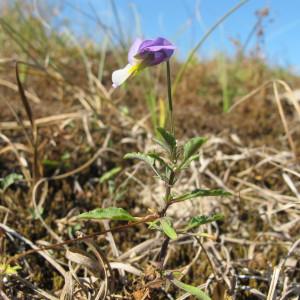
(9, 180)
(51, 163)
(110, 213)
(109, 174)
(199, 294)
(150, 159)
(200, 220)
(167, 228)
(161, 143)
(141, 156)
(154, 225)
(186, 163)
(201, 193)
(192, 146)
(168, 139)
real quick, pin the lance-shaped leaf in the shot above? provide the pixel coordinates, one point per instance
(150, 159)
(167, 227)
(109, 174)
(168, 139)
(186, 163)
(110, 213)
(200, 220)
(191, 147)
(198, 293)
(201, 193)
(141, 156)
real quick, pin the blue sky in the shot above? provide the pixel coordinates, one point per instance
(185, 21)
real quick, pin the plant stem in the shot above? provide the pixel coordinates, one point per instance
(163, 253)
(170, 101)
(164, 247)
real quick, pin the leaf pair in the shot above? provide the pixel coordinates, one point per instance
(189, 149)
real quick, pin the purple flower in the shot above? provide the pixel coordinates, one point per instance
(142, 54)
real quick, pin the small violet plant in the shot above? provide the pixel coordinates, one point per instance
(166, 164)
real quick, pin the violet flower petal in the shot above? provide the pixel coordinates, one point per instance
(154, 52)
(134, 50)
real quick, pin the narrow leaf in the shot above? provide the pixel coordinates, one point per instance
(158, 158)
(150, 159)
(167, 227)
(141, 156)
(200, 220)
(110, 213)
(201, 193)
(109, 174)
(199, 294)
(186, 163)
(168, 138)
(192, 146)
(161, 143)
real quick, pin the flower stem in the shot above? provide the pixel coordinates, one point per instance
(169, 184)
(170, 101)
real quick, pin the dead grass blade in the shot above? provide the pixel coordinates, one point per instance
(14, 87)
(283, 119)
(79, 257)
(279, 105)
(37, 290)
(44, 254)
(46, 121)
(22, 161)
